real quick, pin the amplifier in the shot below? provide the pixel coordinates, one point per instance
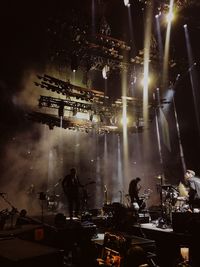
(143, 218)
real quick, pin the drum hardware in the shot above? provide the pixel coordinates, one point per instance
(52, 201)
(5, 214)
(168, 195)
(53, 198)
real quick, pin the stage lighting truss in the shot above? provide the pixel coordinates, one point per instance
(80, 125)
(95, 51)
(85, 109)
(67, 89)
(101, 50)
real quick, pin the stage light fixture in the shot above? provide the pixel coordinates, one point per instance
(74, 112)
(127, 3)
(61, 109)
(91, 117)
(169, 17)
(105, 71)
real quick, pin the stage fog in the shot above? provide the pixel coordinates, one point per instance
(38, 156)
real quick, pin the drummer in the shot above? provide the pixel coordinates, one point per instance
(193, 184)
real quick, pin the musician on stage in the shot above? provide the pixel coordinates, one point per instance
(134, 188)
(71, 185)
(193, 184)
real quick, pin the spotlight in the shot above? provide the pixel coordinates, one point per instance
(127, 3)
(185, 25)
(105, 71)
(169, 17)
(145, 81)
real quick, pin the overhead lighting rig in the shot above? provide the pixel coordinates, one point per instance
(79, 125)
(112, 42)
(84, 108)
(89, 51)
(56, 103)
(67, 89)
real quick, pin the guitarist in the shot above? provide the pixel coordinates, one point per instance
(134, 188)
(71, 185)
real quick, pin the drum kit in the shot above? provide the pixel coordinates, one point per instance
(54, 199)
(172, 201)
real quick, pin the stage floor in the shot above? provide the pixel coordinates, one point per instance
(154, 226)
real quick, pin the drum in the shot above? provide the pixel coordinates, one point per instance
(52, 202)
(180, 203)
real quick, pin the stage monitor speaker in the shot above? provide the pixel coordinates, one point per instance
(16, 252)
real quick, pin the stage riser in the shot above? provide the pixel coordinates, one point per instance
(183, 222)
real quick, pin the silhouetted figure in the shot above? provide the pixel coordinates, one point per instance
(133, 191)
(136, 257)
(71, 185)
(193, 184)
